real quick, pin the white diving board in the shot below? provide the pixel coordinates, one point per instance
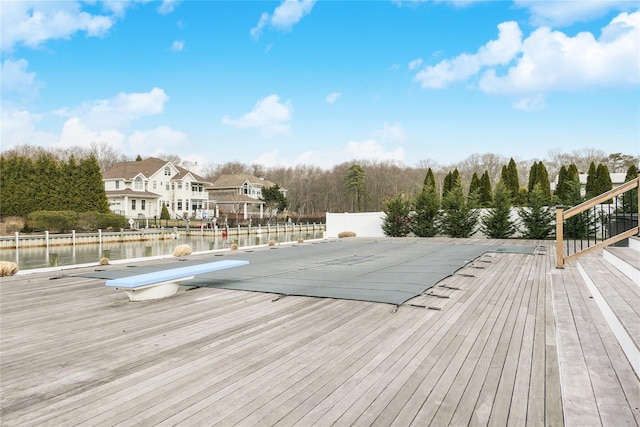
(161, 284)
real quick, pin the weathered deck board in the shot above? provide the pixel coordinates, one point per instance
(75, 352)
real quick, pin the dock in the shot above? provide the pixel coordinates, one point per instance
(507, 340)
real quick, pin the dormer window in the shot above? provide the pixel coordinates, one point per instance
(167, 171)
(138, 186)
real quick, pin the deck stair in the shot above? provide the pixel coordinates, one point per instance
(613, 279)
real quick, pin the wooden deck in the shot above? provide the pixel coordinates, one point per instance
(509, 340)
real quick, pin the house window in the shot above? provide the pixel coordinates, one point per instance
(138, 184)
(142, 205)
(133, 204)
(155, 185)
(167, 186)
(167, 171)
(179, 186)
(117, 185)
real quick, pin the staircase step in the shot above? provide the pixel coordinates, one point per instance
(627, 260)
(618, 298)
(634, 243)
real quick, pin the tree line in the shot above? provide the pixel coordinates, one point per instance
(359, 185)
(452, 213)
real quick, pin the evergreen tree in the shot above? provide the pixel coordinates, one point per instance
(138, 158)
(474, 186)
(576, 227)
(397, 220)
(514, 181)
(560, 191)
(460, 217)
(429, 180)
(164, 214)
(602, 182)
(425, 220)
(497, 222)
(447, 184)
(354, 183)
(573, 174)
(456, 181)
(485, 190)
(49, 185)
(539, 175)
(274, 200)
(17, 192)
(533, 176)
(538, 220)
(89, 170)
(543, 180)
(630, 198)
(590, 188)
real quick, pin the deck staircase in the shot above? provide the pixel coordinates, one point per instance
(613, 278)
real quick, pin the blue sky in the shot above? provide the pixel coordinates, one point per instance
(322, 82)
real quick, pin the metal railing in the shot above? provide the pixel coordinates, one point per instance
(600, 217)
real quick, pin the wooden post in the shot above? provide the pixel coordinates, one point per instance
(559, 235)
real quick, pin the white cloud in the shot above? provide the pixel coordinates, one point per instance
(168, 6)
(161, 138)
(122, 108)
(552, 61)
(268, 114)
(415, 64)
(15, 78)
(390, 133)
(34, 22)
(495, 52)
(75, 132)
(284, 17)
(17, 127)
(547, 60)
(560, 13)
(333, 97)
(177, 46)
(530, 103)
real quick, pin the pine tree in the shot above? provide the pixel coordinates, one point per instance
(590, 188)
(97, 201)
(460, 217)
(497, 222)
(576, 227)
(164, 214)
(538, 221)
(425, 220)
(49, 185)
(485, 190)
(474, 186)
(533, 176)
(543, 180)
(446, 185)
(630, 198)
(514, 181)
(560, 191)
(602, 182)
(397, 220)
(354, 182)
(429, 179)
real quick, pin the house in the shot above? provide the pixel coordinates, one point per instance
(239, 193)
(139, 189)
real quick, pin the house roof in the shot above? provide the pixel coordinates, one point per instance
(236, 180)
(146, 167)
(238, 198)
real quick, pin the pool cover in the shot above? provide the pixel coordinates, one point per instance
(387, 270)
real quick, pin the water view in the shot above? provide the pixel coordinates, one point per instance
(40, 257)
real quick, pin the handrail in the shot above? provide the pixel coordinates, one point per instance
(562, 215)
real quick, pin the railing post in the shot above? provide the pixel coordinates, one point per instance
(559, 236)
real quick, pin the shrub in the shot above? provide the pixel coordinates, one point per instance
(496, 224)
(8, 268)
(460, 217)
(53, 221)
(343, 234)
(182, 250)
(397, 221)
(11, 224)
